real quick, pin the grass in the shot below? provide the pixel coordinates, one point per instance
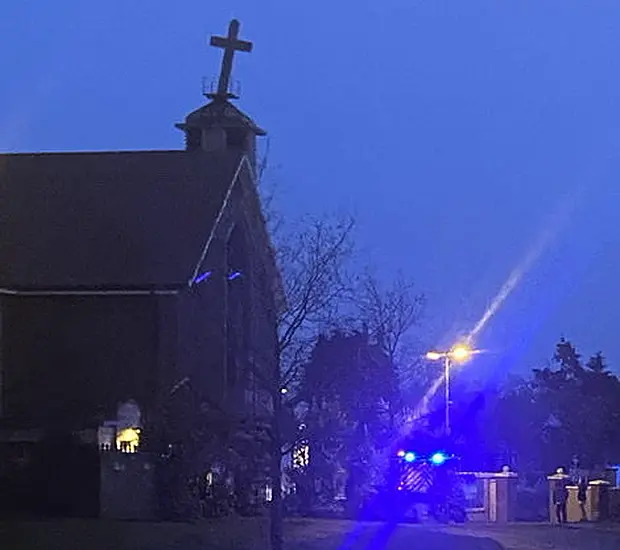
(227, 534)
(537, 536)
(300, 534)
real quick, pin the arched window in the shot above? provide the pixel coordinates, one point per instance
(238, 305)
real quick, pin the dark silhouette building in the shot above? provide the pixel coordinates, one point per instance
(141, 275)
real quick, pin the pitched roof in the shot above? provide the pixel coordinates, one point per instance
(109, 220)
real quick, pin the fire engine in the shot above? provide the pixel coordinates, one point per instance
(423, 471)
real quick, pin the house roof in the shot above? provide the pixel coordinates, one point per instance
(111, 220)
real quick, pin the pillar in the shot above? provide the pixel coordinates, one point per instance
(499, 504)
(503, 493)
(597, 503)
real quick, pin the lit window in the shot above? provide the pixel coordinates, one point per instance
(128, 440)
(301, 456)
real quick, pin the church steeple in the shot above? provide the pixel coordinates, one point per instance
(219, 125)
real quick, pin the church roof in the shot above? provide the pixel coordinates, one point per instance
(223, 114)
(112, 220)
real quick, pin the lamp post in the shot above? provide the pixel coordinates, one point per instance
(459, 354)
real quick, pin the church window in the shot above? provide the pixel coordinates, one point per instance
(237, 306)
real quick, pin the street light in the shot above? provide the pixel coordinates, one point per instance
(461, 353)
(458, 354)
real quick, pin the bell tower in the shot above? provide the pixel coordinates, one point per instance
(219, 125)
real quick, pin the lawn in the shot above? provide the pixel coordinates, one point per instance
(539, 536)
(228, 534)
(301, 534)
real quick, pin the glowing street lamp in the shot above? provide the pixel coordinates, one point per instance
(458, 354)
(461, 353)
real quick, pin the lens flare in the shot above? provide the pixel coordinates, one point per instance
(558, 220)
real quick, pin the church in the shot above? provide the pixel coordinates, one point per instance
(137, 288)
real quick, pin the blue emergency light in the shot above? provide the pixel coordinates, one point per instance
(438, 458)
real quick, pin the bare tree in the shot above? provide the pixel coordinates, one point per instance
(313, 261)
(390, 312)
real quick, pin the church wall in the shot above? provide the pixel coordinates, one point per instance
(264, 330)
(247, 253)
(202, 317)
(200, 342)
(69, 360)
(169, 367)
(202, 335)
(204, 332)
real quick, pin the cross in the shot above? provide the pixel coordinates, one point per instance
(229, 44)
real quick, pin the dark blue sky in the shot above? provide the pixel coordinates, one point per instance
(454, 130)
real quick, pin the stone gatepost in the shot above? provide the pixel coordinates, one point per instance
(597, 500)
(499, 496)
(503, 496)
(596, 506)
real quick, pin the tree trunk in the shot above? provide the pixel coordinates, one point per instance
(277, 516)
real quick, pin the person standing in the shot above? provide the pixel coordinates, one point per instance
(560, 497)
(582, 496)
